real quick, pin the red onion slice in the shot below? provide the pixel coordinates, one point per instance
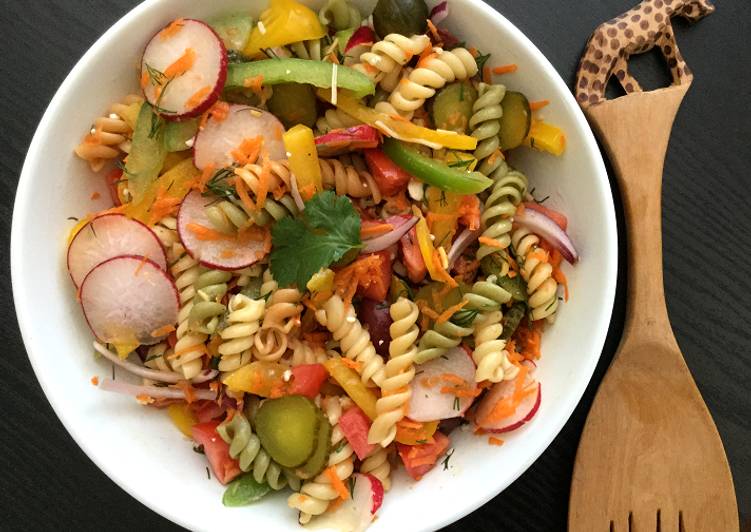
(362, 35)
(296, 193)
(152, 374)
(155, 392)
(461, 243)
(546, 228)
(382, 242)
(439, 13)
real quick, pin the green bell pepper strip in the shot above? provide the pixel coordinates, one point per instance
(176, 134)
(434, 172)
(294, 70)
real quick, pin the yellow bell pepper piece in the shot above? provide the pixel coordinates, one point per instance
(429, 254)
(546, 137)
(265, 379)
(458, 159)
(175, 184)
(183, 418)
(397, 127)
(350, 381)
(303, 160)
(284, 22)
(444, 214)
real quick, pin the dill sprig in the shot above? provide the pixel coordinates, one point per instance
(464, 317)
(219, 184)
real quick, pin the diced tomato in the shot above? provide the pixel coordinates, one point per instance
(216, 449)
(355, 426)
(307, 380)
(419, 459)
(206, 411)
(391, 179)
(112, 180)
(412, 257)
(378, 289)
(556, 216)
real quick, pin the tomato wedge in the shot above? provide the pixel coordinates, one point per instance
(391, 179)
(307, 380)
(355, 426)
(378, 289)
(411, 256)
(419, 459)
(224, 467)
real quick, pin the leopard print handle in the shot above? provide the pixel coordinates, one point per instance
(634, 32)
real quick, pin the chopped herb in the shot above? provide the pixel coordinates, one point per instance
(157, 124)
(444, 357)
(91, 226)
(457, 405)
(72, 218)
(422, 442)
(552, 302)
(463, 163)
(214, 363)
(418, 372)
(208, 473)
(464, 317)
(481, 60)
(352, 482)
(340, 446)
(219, 184)
(120, 165)
(156, 77)
(198, 449)
(446, 460)
(113, 372)
(153, 357)
(443, 201)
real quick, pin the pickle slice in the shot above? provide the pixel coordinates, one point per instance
(288, 429)
(320, 456)
(452, 106)
(515, 121)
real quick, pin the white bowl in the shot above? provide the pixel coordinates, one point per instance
(138, 447)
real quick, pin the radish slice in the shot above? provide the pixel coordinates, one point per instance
(356, 513)
(524, 412)
(232, 252)
(107, 236)
(427, 403)
(345, 140)
(220, 137)
(129, 300)
(183, 69)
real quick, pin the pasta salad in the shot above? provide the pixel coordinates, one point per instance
(319, 262)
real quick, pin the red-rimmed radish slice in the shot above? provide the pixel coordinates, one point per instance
(183, 69)
(107, 236)
(221, 136)
(356, 513)
(427, 402)
(339, 141)
(211, 248)
(129, 300)
(523, 412)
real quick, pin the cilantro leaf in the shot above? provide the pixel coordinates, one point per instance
(328, 229)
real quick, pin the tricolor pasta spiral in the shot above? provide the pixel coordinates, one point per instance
(353, 339)
(348, 180)
(537, 271)
(438, 340)
(283, 311)
(486, 296)
(485, 120)
(392, 52)
(237, 338)
(399, 372)
(189, 349)
(489, 354)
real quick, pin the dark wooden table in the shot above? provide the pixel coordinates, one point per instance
(46, 482)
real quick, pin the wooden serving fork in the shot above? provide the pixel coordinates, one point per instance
(650, 457)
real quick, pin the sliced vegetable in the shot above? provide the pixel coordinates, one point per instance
(303, 160)
(405, 17)
(284, 22)
(452, 106)
(382, 242)
(170, 189)
(307, 380)
(461, 243)
(178, 135)
(509, 404)
(419, 459)
(357, 512)
(234, 30)
(445, 388)
(288, 429)
(355, 426)
(224, 467)
(147, 153)
(549, 230)
(396, 127)
(513, 285)
(339, 141)
(224, 134)
(322, 74)
(389, 176)
(512, 318)
(293, 103)
(546, 137)
(350, 381)
(411, 432)
(434, 172)
(429, 254)
(129, 300)
(244, 490)
(412, 256)
(265, 379)
(439, 13)
(183, 69)
(320, 456)
(182, 417)
(557, 216)
(443, 214)
(516, 120)
(377, 287)
(375, 317)
(107, 236)
(362, 36)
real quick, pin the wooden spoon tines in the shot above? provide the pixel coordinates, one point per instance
(650, 457)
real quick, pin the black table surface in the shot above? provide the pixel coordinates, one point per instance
(47, 482)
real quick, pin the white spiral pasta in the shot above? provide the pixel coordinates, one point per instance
(305, 353)
(308, 49)
(316, 495)
(189, 349)
(490, 354)
(166, 231)
(537, 271)
(348, 180)
(392, 52)
(399, 372)
(378, 465)
(353, 339)
(335, 119)
(156, 358)
(237, 338)
(283, 311)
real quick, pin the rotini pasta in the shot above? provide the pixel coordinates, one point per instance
(304, 353)
(237, 338)
(208, 310)
(485, 120)
(353, 339)
(378, 465)
(335, 119)
(340, 15)
(489, 354)
(283, 311)
(537, 271)
(442, 337)
(399, 372)
(110, 135)
(348, 180)
(392, 52)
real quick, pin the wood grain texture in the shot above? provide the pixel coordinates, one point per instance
(47, 481)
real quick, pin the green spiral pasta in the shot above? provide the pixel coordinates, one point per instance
(438, 340)
(243, 321)
(486, 296)
(340, 15)
(508, 191)
(485, 120)
(208, 310)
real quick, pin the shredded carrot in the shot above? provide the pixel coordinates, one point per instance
(494, 156)
(351, 364)
(188, 390)
(227, 254)
(491, 242)
(507, 406)
(506, 69)
(486, 77)
(172, 30)
(409, 424)
(187, 349)
(492, 440)
(181, 65)
(242, 192)
(145, 79)
(95, 195)
(164, 205)
(140, 265)
(333, 58)
(425, 56)
(511, 274)
(538, 104)
(446, 314)
(205, 233)
(212, 348)
(198, 97)
(255, 83)
(441, 272)
(473, 51)
(205, 177)
(371, 230)
(95, 380)
(434, 31)
(538, 254)
(264, 180)
(337, 483)
(162, 331)
(422, 305)
(219, 111)
(363, 273)
(248, 150)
